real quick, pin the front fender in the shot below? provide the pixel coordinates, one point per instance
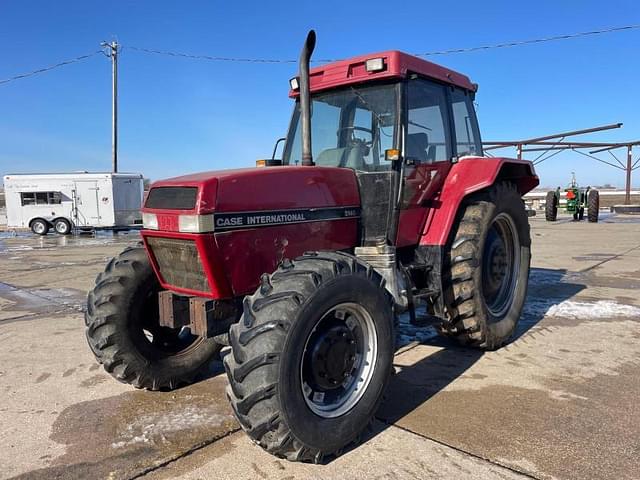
(470, 175)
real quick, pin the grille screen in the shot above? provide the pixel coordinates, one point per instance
(179, 263)
(176, 198)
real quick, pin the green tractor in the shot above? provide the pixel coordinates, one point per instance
(577, 199)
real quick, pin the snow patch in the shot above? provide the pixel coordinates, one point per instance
(592, 310)
(153, 427)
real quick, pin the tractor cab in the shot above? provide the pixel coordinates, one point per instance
(399, 123)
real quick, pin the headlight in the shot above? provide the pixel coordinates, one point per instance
(150, 221)
(195, 223)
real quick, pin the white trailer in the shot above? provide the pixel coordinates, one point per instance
(64, 201)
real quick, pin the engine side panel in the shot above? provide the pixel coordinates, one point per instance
(247, 254)
(469, 175)
(261, 216)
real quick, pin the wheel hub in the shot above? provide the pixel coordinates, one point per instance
(500, 264)
(338, 360)
(333, 357)
(497, 262)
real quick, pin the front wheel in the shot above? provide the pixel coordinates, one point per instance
(125, 335)
(487, 269)
(311, 356)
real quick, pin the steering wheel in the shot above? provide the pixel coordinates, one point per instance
(353, 128)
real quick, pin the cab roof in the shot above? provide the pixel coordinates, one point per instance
(396, 65)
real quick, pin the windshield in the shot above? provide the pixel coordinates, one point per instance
(350, 128)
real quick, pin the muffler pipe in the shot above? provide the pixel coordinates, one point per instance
(305, 98)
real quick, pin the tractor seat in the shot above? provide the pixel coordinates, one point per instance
(330, 157)
(418, 148)
(346, 157)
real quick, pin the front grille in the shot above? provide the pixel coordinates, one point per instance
(179, 263)
(174, 198)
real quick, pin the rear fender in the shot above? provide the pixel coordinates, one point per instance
(468, 176)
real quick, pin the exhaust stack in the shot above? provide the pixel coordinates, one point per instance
(305, 98)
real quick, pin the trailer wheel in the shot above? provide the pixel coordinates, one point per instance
(593, 206)
(39, 226)
(62, 226)
(551, 207)
(311, 356)
(487, 269)
(124, 333)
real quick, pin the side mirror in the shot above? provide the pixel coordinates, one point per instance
(273, 161)
(275, 147)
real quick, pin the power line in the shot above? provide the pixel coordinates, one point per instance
(518, 43)
(50, 67)
(514, 43)
(212, 58)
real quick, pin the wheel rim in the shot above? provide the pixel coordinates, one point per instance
(338, 360)
(61, 227)
(500, 265)
(39, 227)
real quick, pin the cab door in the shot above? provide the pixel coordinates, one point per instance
(427, 153)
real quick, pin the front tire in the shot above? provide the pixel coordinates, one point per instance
(311, 356)
(487, 269)
(124, 333)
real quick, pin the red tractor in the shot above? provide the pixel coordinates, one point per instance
(302, 266)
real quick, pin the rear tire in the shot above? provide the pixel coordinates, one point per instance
(487, 269)
(40, 226)
(551, 207)
(315, 332)
(62, 226)
(593, 206)
(124, 334)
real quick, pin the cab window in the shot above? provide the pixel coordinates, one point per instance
(466, 125)
(350, 128)
(428, 139)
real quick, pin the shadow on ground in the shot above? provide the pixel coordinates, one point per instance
(415, 384)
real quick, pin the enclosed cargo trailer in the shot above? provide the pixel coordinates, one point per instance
(67, 201)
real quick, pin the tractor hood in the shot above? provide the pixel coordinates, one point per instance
(272, 195)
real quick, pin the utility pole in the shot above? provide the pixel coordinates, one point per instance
(627, 192)
(112, 52)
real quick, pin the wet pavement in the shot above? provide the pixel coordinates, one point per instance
(560, 401)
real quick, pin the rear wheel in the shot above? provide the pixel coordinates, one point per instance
(124, 333)
(551, 207)
(487, 269)
(62, 226)
(311, 356)
(40, 226)
(593, 206)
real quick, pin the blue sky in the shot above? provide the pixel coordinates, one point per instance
(179, 115)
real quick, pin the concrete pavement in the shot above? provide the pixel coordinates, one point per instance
(557, 402)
